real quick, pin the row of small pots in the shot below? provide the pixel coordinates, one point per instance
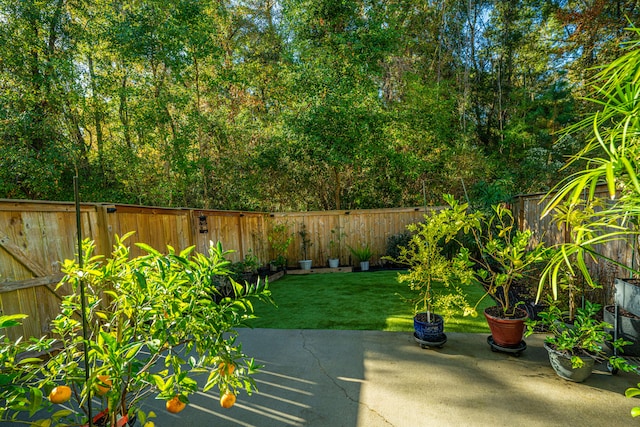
(333, 263)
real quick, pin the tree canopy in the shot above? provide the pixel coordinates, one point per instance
(295, 104)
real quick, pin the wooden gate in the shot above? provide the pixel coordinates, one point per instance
(34, 239)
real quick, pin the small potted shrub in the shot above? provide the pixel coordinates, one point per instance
(335, 247)
(506, 255)
(362, 255)
(435, 272)
(279, 239)
(153, 323)
(575, 347)
(305, 243)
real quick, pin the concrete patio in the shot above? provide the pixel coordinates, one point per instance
(333, 378)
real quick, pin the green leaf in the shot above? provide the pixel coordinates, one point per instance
(61, 414)
(611, 181)
(632, 392)
(148, 249)
(135, 348)
(35, 401)
(29, 360)
(11, 320)
(159, 382)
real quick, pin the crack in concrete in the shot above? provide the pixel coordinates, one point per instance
(337, 384)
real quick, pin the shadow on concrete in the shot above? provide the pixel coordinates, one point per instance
(328, 378)
(325, 378)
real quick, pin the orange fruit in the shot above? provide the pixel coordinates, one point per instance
(226, 368)
(228, 400)
(104, 385)
(175, 405)
(60, 394)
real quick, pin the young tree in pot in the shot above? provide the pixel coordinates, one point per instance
(335, 247)
(506, 255)
(154, 322)
(305, 243)
(279, 239)
(575, 347)
(436, 276)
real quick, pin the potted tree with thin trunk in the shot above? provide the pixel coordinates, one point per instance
(305, 243)
(506, 255)
(439, 269)
(335, 247)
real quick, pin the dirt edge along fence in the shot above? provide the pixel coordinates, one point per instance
(36, 236)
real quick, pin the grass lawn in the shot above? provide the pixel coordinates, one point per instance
(358, 301)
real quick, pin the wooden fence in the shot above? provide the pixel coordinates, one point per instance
(35, 237)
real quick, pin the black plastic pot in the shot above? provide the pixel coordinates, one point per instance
(628, 329)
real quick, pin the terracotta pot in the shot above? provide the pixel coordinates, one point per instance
(506, 332)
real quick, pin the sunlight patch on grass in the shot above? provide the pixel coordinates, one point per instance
(356, 301)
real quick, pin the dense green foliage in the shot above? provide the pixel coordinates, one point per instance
(294, 104)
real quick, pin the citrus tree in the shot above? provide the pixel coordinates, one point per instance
(154, 323)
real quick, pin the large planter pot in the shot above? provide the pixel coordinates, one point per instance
(305, 264)
(432, 331)
(561, 363)
(364, 265)
(506, 332)
(334, 262)
(628, 329)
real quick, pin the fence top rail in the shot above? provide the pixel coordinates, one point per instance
(44, 206)
(353, 211)
(66, 206)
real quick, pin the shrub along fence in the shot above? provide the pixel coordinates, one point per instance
(35, 237)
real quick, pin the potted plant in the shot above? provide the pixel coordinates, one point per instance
(153, 323)
(335, 247)
(436, 276)
(506, 255)
(279, 239)
(247, 269)
(575, 347)
(305, 243)
(362, 255)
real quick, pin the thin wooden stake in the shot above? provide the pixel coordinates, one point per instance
(83, 302)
